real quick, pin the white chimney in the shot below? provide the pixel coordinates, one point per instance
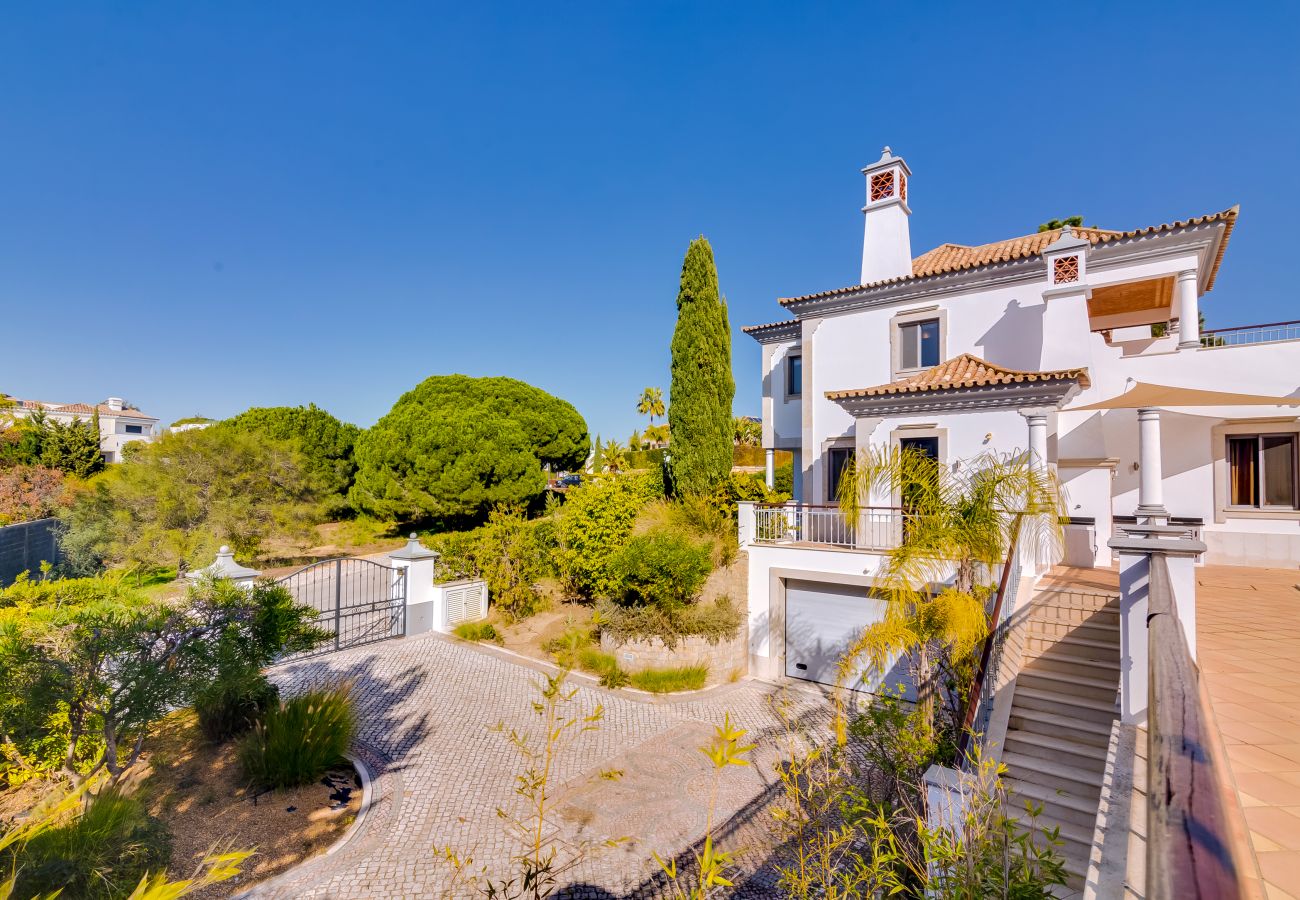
(114, 403)
(887, 244)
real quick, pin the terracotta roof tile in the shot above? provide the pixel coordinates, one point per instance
(82, 409)
(948, 258)
(965, 371)
(754, 329)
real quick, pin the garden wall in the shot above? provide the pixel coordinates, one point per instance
(23, 547)
(724, 659)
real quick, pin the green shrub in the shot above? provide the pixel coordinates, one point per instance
(596, 522)
(668, 681)
(783, 480)
(512, 553)
(478, 631)
(298, 740)
(104, 852)
(604, 665)
(716, 621)
(662, 568)
(233, 704)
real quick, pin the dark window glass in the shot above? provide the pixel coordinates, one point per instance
(794, 375)
(1243, 478)
(1277, 465)
(1262, 470)
(135, 429)
(839, 458)
(919, 344)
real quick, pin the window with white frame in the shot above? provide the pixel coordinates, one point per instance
(793, 376)
(134, 429)
(1262, 471)
(918, 344)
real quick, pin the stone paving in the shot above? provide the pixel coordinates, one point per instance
(427, 711)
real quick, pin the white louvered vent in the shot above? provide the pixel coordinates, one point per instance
(466, 602)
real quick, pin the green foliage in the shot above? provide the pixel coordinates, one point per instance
(716, 621)
(747, 433)
(512, 553)
(300, 739)
(661, 568)
(71, 447)
(783, 479)
(182, 496)
(478, 631)
(454, 446)
(233, 704)
(703, 387)
(651, 403)
(669, 681)
(91, 665)
(596, 522)
(103, 852)
(325, 443)
(1054, 224)
(961, 522)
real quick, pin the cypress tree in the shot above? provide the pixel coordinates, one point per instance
(699, 412)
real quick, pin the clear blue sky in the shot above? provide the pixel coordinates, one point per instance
(207, 206)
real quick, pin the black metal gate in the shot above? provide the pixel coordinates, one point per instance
(358, 601)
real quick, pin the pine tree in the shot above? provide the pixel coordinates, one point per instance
(699, 412)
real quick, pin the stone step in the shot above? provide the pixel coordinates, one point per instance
(1092, 710)
(1050, 723)
(1092, 631)
(1061, 799)
(1074, 665)
(1057, 749)
(1068, 685)
(1071, 833)
(1071, 645)
(1058, 775)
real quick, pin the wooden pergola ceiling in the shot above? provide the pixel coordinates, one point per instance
(1133, 297)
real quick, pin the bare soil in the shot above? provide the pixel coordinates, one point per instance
(531, 635)
(196, 788)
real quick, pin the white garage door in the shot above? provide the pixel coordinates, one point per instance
(821, 621)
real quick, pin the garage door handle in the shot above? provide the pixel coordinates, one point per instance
(801, 667)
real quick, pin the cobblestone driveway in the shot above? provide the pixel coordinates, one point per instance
(427, 706)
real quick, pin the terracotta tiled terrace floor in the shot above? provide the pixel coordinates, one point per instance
(1248, 647)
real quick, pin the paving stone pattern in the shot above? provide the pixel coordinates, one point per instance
(427, 710)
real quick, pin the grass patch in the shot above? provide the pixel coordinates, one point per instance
(669, 681)
(478, 631)
(604, 665)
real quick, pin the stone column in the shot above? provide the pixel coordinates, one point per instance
(1189, 315)
(769, 475)
(425, 606)
(1151, 501)
(1037, 421)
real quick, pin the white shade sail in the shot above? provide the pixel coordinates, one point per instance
(1142, 396)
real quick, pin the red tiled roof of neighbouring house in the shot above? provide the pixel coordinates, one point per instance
(965, 371)
(947, 258)
(81, 409)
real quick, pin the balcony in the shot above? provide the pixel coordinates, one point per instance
(1271, 333)
(875, 528)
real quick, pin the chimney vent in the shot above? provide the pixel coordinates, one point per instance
(887, 243)
(114, 403)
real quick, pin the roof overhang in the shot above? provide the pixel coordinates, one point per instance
(1050, 392)
(775, 332)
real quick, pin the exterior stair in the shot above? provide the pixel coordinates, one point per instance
(1062, 710)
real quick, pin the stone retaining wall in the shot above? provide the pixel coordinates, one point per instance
(725, 659)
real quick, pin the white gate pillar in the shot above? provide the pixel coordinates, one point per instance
(424, 610)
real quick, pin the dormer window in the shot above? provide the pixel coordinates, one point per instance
(918, 344)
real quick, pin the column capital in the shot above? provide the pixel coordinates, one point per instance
(1187, 275)
(1036, 412)
(1147, 413)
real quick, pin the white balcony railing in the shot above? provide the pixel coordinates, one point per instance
(1251, 334)
(874, 528)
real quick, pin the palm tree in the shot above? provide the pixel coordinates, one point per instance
(651, 403)
(958, 527)
(657, 434)
(613, 456)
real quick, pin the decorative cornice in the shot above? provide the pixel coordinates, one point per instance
(775, 332)
(1053, 392)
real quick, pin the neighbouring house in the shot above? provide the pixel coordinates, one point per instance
(1175, 448)
(191, 423)
(120, 422)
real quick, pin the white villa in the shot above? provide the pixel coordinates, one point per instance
(119, 422)
(1177, 453)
